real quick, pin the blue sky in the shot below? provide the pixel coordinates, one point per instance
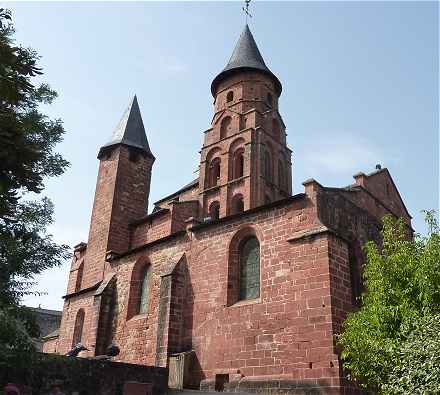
(360, 87)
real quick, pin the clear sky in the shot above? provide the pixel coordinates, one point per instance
(360, 87)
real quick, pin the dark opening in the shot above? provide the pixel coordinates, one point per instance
(214, 172)
(78, 328)
(355, 263)
(230, 96)
(269, 99)
(237, 204)
(238, 164)
(220, 381)
(281, 176)
(224, 127)
(268, 166)
(214, 211)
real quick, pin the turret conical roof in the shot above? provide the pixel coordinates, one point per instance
(130, 130)
(246, 56)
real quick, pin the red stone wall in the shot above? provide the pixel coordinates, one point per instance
(186, 195)
(121, 197)
(381, 196)
(70, 310)
(181, 211)
(284, 331)
(151, 229)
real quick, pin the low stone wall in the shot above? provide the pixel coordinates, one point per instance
(80, 376)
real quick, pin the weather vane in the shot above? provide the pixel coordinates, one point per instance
(246, 9)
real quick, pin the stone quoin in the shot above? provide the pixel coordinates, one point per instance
(255, 280)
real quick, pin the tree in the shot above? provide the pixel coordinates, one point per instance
(27, 157)
(398, 312)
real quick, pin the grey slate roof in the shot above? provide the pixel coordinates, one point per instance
(246, 56)
(130, 130)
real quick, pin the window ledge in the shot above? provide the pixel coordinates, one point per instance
(138, 317)
(237, 180)
(246, 302)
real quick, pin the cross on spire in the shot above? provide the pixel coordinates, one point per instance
(246, 9)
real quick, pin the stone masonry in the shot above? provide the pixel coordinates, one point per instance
(173, 280)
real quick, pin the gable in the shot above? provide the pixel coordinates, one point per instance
(381, 185)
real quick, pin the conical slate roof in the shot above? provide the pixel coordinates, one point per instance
(246, 56)
(130, 130)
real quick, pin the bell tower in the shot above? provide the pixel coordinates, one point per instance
(122, 191)
(245, 162)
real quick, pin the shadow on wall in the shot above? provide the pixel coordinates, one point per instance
(193, 373)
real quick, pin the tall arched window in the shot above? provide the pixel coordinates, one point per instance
(225, 126)
(78, 328)
(238, 163)
(250, 269)
(268, 165)
(281, 176)
(237, 204)
(276, 131)
(145, 290)
(230, 96)
(214, 210)
(214, 172)
(269, 99)
(79, 277)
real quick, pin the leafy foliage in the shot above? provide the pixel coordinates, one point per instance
(402, 278)
(27, 157)
(417, 364)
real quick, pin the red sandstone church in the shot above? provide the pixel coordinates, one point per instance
(255, 280)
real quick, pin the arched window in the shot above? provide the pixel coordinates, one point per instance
(267, 199)
(79, 276)
(250, 269)
(78, 328)
(237, 204)
(214, 210)
(238, 163)
(224, 127)
(145, 290)
(230, 96)
(269, 99)
(268, 165)
(214, 172)
(281, 176)
(276, 131)
(140, 286)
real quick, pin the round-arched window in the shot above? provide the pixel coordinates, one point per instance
(214, 172)
(237, 204)
(250, 269)
(230, 96)
(214, 211)
(269, 99)
(145, 290)
(78, 328)
(238, 163)
(224, 127)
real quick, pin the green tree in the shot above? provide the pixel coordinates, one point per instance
(399, 310)
(27, 157)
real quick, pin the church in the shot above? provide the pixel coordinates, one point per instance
(252, 281)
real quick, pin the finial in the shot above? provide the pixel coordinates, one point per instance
(246, 9)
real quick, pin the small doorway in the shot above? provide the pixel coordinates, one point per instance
(220, 381)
